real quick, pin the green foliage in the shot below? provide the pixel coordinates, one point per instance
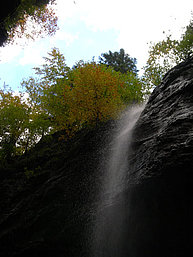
(185, 45)
(36, 11)
(95, 94)
(82, 96)
(66, 99)
(14, 117)
(47, 92)
(166, 54)
(119, 61)
(54, 69)
(21, 124)
(133, 90)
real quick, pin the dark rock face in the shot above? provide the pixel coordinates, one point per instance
(6, 10)
(160, 194)
(47, 197)
(164, 131)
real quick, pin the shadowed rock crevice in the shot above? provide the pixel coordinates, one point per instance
(161, 171)
(48, 197)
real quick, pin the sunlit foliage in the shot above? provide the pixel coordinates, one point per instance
(166, 54)
(85, 95)
(14, 117)
(31, 19)
(95, 94)
(46, 91)
(60, 98)
(21, 125)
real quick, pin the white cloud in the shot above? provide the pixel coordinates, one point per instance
(138, 22)
(62, 35)
(66, 9)
(102, 15)
(9, 53)
(32, 54)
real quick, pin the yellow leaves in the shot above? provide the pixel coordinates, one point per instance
(32, 21)
(95, 91)
(13, 115)
(165, 54)
(83, 96)
(48, 20)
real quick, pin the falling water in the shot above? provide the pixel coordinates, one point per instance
(109, 229)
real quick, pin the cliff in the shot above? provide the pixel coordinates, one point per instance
(160, 175)
(48, 197)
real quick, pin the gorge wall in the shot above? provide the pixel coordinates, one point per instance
(160, 175)
(48, 197)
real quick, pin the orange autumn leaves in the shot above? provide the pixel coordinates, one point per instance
(82, 96)
(89, 95)
(95, 95)
(32, 20)
(63, 98)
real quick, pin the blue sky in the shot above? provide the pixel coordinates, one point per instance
(89, 28)
(85, 45)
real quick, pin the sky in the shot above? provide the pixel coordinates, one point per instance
(91, 27)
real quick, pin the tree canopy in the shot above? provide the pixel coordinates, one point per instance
(13, 121)
(63, 98)
(13, 20)
(21, 124)
(82, 96)
(119, 61)
(167, 53)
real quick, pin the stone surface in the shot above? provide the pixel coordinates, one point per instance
(48, 198)
(160, 192)
(164, 133)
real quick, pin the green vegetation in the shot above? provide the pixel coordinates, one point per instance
(166, 54)
(21, 125)
(60, 98)
(82, 96)
(63, 98)
(44, 20)
(119, 61)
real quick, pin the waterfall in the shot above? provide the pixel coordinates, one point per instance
(109, 227)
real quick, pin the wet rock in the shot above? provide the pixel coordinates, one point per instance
(160, 190)
(48, 196)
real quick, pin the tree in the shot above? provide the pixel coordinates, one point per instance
(166, 54)
(46, 93)
(75, 98)
(119, 61)
(185, 45)
(14, 117)
(95, 94)
(22, 124)
(133, 89)
(54, 69)
(41, 16)
(85, 95)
